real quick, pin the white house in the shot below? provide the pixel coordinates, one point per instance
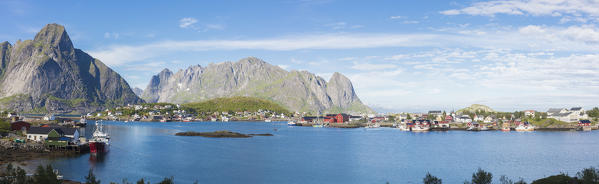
(478, 118)
(529, 113)
(573, 114)
(49, 117)
(40, 134)
(464, 119)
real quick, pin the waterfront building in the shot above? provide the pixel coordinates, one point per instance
(530, 113)
(19, 125)
(585, 125)
(573, 114)
(40, 134)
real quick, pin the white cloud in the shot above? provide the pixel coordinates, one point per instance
(187, 22)
(396, 17)
(111, 35)
(343, 25)
(370, 66)
(533, 38)
(397, 57)
(411, 22)
(530, 7)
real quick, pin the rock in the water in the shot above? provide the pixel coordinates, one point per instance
(216, 134)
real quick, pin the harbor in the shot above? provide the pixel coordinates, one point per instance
(388, 150)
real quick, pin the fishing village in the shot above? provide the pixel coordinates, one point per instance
(31, 136)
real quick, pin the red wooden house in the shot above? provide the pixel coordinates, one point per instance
(19, 125)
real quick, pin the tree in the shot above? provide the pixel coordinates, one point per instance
(91, 178)
(588, 176)
(167, 181)
(141, 181)
(430, 179)
(4, 126)
(45, 175)
(482, 177)
(594, 112)
(556, 179)
(505, 180)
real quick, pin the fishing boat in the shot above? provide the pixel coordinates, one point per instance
(100, 141)
(291, 123)
(525, 127)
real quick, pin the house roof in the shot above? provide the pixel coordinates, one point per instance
(562, 114)
(554, 110)
(585, 121)
(46, 130)
(575, 108)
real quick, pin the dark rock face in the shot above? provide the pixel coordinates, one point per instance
(48, 74)
(296, 90)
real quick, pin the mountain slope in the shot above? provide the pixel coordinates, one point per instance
(296, 90)
(53, 76)
(474, 108)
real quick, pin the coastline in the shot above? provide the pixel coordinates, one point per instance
(22, 152)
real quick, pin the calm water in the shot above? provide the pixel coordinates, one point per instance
(328, 155)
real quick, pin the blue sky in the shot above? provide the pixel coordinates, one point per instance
(400, 55)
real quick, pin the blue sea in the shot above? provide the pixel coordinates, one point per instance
(326, 155)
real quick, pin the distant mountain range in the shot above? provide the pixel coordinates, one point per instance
(47, 74)
(296, 90)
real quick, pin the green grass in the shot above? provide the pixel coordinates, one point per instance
(236, 104)
(544, 123)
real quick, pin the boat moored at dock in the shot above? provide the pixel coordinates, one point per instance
(525, 127)
(100, 141)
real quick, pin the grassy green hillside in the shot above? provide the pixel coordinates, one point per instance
(475, 108)
(236, 104)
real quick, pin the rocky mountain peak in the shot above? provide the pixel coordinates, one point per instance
(55, 36)
(55, 77)
(297, 90)
(165, 72)
(339, 78)
(252, 61)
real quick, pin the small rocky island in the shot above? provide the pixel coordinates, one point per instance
(220, 134)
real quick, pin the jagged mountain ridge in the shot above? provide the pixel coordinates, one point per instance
(297, 90)
(47, 74)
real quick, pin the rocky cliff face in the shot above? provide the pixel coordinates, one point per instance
(47, 74)
(296, 90)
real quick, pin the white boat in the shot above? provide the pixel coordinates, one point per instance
(291, 123)
(483, 128)
(403, 127)
(525, 127)
(420, 128)
(373, 125)
(213, 119)
(267, 120)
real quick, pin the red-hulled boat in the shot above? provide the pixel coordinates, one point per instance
(100, 141)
